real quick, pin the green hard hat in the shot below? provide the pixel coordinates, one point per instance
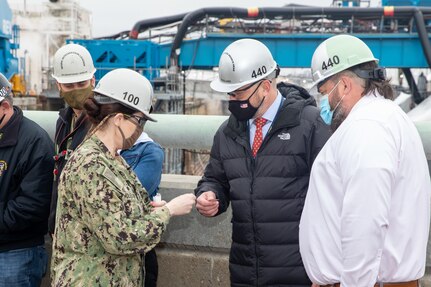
(337, 54)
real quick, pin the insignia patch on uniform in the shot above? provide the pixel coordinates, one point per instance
(109, 175)
(1, 136)
(284, 136)
(3, 167)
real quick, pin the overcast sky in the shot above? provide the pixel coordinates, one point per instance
(110, 17)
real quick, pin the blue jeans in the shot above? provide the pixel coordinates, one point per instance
(23, 267)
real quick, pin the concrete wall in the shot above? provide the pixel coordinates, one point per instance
(194, 250)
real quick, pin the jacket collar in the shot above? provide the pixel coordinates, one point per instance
(289, 114)
(9, 133)
(66, 115)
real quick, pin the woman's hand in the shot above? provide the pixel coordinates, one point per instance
(182, 204)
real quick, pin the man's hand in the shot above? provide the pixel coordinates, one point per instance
(207, 204)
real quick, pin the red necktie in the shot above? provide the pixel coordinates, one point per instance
(258, 136)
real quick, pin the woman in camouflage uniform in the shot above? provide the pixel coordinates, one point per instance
(105, 221)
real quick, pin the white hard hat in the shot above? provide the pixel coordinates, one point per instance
(5, 87)
(127, 87)
(73, 64)
(243, 62)
(337, 54)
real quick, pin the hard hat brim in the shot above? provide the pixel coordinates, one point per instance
(146, 113)
(223, 87)
(74, 78)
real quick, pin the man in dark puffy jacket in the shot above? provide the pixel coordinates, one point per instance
(26, 165)
(260, 162)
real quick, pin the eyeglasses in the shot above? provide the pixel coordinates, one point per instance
(140, 120)
(239, 91)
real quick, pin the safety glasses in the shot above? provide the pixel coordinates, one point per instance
(140, 120)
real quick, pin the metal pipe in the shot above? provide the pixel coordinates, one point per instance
(190, 131)
(170, 130)
(143, 25)
(417, 97)
(423, 34)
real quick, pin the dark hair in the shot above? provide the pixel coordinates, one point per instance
(97, 112)
(371, 85)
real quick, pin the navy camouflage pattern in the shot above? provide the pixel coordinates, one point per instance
(104, 221)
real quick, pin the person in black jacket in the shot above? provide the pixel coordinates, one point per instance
(74, 73)
(260, 162)
(26, 165)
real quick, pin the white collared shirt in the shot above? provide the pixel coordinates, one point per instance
(269, 115)
(367, 212)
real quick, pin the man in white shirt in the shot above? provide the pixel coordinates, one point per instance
(367, 213)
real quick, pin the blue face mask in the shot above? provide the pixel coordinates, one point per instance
(325, 109)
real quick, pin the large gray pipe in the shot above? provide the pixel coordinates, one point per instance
(190, 131)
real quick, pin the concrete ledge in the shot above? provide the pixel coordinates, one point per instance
(194, 229)
(171, 182)
(192, 268)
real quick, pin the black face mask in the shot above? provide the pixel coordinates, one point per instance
(2, 118)
(243, 110)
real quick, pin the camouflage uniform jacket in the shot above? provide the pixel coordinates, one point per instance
(104, 221)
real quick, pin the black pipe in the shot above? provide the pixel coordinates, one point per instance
(297, 13)
(417, 97)
(143, 25)
(423, 34)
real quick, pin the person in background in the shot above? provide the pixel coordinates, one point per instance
(367, 213)
(74, 74)
(260, 162)
(105, 220)
(146, 159)
(26, 163)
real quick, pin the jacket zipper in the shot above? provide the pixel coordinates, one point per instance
(246, 145)
(253, 164)
(70, 134)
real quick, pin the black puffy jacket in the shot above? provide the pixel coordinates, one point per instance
(26, 166)
(267, 192)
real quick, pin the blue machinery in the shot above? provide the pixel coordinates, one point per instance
(398, 36)
(396, 50)
(8, 41)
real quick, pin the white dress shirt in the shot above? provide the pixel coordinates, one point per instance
(367, 212)
(269, 116)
